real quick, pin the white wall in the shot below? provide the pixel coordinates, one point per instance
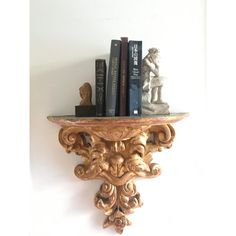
(66, 37)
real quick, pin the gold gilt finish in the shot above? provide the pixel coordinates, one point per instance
(117, 155)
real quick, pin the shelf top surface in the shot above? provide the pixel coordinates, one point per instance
(144, 120)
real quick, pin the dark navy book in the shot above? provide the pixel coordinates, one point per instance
(134, 78)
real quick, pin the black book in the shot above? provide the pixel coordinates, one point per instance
(100, 72)
(134, 77)
(113, 79)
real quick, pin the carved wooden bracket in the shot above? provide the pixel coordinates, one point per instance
(116, 154)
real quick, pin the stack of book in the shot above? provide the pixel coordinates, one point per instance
(119, 93)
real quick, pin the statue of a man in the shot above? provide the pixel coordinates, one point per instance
(152, 83)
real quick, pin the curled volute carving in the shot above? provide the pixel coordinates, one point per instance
(161, 136)
(117, 157)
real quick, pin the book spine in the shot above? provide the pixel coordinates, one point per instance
(113, 79)
(123, 76)
(100, 72)
(135, 92)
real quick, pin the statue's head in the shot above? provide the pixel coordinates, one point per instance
(86, 94)
(154, 52)
(85, 90)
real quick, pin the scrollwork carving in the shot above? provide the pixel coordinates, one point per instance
(117, 202)
(117, 156)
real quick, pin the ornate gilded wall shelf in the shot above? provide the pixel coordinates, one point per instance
(117, 150)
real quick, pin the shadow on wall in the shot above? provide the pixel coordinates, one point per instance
(55, 92)
(82, 201)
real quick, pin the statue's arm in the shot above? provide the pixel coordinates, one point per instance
(154, 70)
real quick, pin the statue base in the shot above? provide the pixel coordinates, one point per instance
(155, 109)
(85, 111)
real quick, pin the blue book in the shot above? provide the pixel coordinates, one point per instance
(113, 79)
(134, 78)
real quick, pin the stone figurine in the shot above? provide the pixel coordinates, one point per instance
(152, 84)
